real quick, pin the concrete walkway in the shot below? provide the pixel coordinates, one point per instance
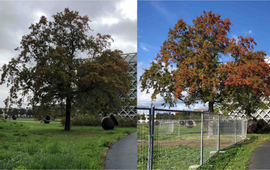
(123, 154)
(261, 157)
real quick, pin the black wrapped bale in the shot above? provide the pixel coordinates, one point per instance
(47, 120)
(189, 124)
(107, 123)
(114, 120)
(156, 122)
(14, 117)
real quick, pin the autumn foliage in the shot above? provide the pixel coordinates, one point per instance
(189, 67)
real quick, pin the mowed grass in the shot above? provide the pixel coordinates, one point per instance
(180, 149)
(30, 119)
(237, 156)
(46, 146)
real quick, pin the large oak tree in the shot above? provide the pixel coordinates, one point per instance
(189, 67)
(48, 72)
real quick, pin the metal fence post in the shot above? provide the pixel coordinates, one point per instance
(202, 138)
(149, 140)
(152, 136)
(218, 147)
(235, 128)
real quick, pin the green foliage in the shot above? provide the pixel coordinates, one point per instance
(56, 75)
(15, 111)
(95, 120)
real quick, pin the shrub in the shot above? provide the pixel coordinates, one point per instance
(84, 120)
(92, 120)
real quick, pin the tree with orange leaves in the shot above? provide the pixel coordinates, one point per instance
(247, 82)
(189, 62)
(188, 67)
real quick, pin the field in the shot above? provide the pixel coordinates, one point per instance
(46, 146)
(30, 119)
(176, 146)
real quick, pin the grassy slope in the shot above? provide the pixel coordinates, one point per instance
(46, 146)
(237, 156)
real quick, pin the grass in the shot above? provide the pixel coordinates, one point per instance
(181, 149)
(237, 156)
(45, 146)
(30, 119)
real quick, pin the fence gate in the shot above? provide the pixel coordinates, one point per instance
(178, 139)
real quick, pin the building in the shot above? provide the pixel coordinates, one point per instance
(129, 111)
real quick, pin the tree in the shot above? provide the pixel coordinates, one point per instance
(193, 52)
(15, 111)
(47, 71)
(248, 83)
(29, 112)
(1, 112)
(143, 116)
(22, 111)
(188, 67)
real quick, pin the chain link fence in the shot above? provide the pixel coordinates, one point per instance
(178, 139)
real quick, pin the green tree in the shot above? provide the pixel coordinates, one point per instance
(143, 116)
(15, 111)
(48, 72)
(22, 111)
(1, 112)
(29, 112)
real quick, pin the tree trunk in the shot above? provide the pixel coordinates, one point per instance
(68, 110)
(210, 120)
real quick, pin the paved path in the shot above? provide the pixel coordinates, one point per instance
(123, 154)
(261, 157)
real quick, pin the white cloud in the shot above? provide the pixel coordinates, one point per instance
(248, 32)
(109, 21)
(143, 47)
(129, 9)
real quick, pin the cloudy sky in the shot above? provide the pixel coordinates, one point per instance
(117, 18)
(249, 19)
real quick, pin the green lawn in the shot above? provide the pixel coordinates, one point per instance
(179, 149)
(237, 156)
(30, 119)
(46, 146)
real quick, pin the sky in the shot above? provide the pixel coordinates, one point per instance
(117, 18)
(249, 19)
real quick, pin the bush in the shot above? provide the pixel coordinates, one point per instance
(84, 120)
(91, 120)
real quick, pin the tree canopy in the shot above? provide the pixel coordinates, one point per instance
(189, 66)
(48, 70)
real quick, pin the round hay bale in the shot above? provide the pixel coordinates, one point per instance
(189, 124)
(14, 117)
(47, 120)
(107, 123)
(114, 119)
(182, 122)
